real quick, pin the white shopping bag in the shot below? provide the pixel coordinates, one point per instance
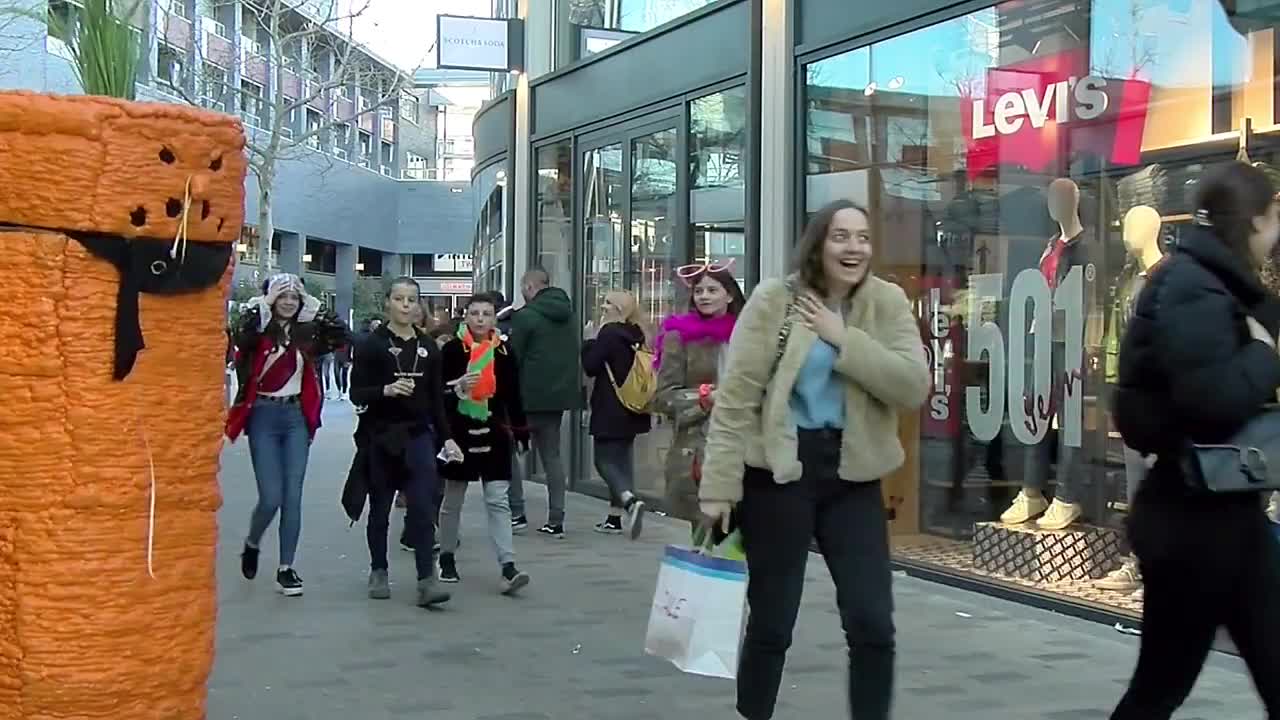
(698, 609)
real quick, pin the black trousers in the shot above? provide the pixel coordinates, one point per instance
(417, 479)
(849, 522)
(1203, 568)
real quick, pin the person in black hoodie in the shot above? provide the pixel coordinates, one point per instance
(397, 389)
(1197, 362)
(614, 427)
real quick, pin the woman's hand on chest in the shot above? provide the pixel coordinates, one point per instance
(822, 320)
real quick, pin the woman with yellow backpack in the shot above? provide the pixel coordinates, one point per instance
(617, 357)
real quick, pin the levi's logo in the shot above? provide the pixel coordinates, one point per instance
(1064, 101)
(1046, 112)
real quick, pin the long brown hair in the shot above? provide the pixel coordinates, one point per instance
(808, 258)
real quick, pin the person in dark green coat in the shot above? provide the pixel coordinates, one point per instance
(545, 336)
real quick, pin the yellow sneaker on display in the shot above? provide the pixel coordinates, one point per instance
(1024, 508)
(1125, 579)
(1060, 515)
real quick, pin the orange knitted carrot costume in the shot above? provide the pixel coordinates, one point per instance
(119, 219)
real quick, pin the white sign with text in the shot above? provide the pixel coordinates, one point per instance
(473, 43)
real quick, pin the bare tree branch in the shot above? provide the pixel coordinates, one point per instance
(314, 71)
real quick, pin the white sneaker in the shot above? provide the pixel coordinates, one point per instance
(633, 519)
(1060, 516)
(1024, 508)
(1125, 579)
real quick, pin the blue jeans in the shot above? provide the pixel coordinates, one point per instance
(278, 446)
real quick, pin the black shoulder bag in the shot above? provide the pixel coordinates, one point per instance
(1249, 462)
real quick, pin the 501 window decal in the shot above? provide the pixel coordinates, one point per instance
(1027, 355)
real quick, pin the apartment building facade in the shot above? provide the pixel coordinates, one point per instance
(356, 193)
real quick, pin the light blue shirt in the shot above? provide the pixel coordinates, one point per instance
(817, 400)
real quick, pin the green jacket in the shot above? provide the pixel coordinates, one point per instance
(546, 340)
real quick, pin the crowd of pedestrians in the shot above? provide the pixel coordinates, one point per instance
(784, 410)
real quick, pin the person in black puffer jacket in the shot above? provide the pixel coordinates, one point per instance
(614, 428)
(1198, 361)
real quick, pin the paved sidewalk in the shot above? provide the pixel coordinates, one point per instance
(571, 646)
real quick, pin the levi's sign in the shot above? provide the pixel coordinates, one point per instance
(1064, 101)
(1042, 113)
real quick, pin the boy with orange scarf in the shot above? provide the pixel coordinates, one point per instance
(486, 416)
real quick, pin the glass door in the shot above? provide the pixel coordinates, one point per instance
(656, 250)
(628, 240)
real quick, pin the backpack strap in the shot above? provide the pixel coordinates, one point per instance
(609, 368)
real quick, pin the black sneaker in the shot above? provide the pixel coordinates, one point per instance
(448, 569)
(555, 531)
(519, 524)
(249, 562)
(288, 582)
(405, 545)
(612, 525)
(512, 579)
(635, 518)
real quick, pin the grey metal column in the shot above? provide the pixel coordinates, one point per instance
(345, 280)
(775, 173)
(292, 247)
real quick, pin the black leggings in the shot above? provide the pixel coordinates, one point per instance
(615, 461)
(851, 527)
(419, 483)
(1203, 570)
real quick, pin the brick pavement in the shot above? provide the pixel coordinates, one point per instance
(571, 646)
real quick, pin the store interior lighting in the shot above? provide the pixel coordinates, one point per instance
(359, 267)
(306, 258)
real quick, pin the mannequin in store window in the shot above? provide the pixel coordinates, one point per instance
(1141, 231)
(1068, 248)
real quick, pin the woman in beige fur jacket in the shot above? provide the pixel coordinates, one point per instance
(805, 425)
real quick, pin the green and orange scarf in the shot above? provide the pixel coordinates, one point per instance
(480, 359)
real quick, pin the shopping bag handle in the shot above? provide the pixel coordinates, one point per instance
(703, 539)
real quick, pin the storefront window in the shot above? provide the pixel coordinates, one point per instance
(654, 251)
(602, 230)
(1022, 166)
(717, 138)
(553, 211)
(490, 247)
(601, 24)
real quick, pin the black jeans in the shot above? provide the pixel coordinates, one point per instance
(419, 483)
(850, 525)
(615, 461)
(1203, 568)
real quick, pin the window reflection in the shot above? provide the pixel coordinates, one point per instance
(553, 211)
(489, 244)
(1006, 158)
(654, 251)
(602, 228)
(717, 139)
(601, 24)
